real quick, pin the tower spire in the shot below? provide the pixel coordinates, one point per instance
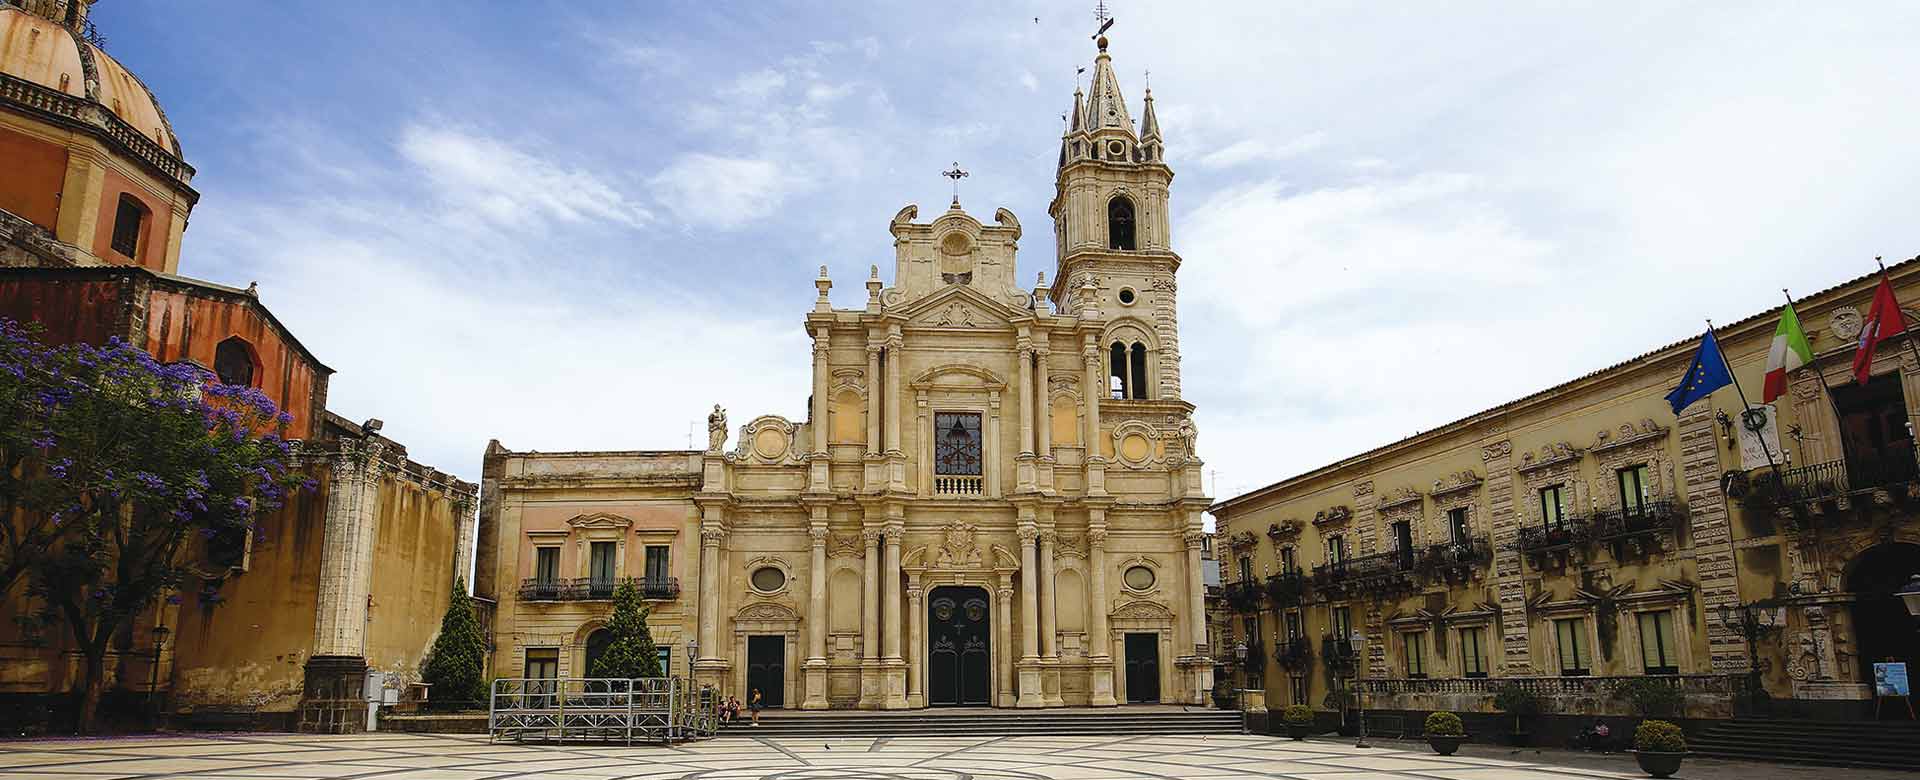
(1149, 124)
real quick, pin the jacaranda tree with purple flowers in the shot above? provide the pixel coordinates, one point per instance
(32, 385)
(152, 476)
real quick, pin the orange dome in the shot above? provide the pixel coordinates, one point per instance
(39, 50)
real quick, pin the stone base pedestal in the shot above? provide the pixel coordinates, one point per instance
(1050, 683)
(893, 684)
(333, 698)
(1196, 677)
(1100, 688)
(815, 675)
(1254, 709)
(1030, 685)
(713, 672)
(873, 688)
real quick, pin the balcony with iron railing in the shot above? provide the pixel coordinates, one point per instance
(1802, 495)
(1454, 561)
(1287, 588)
(1339, 654)
(1378, 574)
(1633, 531)
(1552, 545)
(1293, 653)
(1243, 596)
(593, 589)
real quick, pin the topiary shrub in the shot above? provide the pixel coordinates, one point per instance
(453, 666)
(1651, 697)
(1298, 714)
(1659, 736)
(1445, 724)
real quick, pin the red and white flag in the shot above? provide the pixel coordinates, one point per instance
(1883, 321)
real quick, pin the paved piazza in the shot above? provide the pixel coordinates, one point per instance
(463, 757)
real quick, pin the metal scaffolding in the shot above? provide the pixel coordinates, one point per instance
(558, 709)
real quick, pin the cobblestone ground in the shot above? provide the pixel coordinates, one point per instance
(461, 757)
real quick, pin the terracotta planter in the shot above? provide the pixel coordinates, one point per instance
(1299, 731)
(1445, 744)
(1659, 764)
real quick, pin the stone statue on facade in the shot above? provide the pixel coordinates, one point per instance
(716, 430)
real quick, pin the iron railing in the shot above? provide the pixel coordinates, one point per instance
(1293, 653)
(1243, 596)
(592, 589)
(1339, 654)
(1287, 588)
(1835, 478)
(1650, 518)
(1376, 573)
(558, 709)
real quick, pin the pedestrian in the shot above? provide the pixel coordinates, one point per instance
(754, 703)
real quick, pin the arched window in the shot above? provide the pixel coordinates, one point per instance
(233, 362)
(1120, 223)
(1139, 365)
(597, 643)
(1117, 370)
(127, 221)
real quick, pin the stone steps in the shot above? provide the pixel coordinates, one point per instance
(990, 723)
(1866, 744)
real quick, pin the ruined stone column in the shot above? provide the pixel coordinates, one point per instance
(1101, 655)
(816, 664)
(337, 670)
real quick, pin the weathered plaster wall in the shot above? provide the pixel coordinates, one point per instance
(36, 169)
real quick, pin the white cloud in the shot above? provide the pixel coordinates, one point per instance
(721, 192)
(1262, 150)
(1027, 80)
(489, 179)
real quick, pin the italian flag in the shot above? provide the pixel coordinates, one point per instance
(1790, 351)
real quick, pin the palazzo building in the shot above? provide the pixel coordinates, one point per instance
(344, 582)
(993, 500)
(1583, 539)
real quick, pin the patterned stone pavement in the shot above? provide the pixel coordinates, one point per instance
(463, 757)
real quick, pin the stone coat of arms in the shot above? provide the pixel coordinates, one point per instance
(959, 548)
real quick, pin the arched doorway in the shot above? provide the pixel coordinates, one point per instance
(597, 643)
(1882, 628)
(959, 647)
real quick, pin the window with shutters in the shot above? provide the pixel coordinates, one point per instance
(128, 220)
(1552, 506)
(601, 555)
(1634, 487)
(1656, 643)
(1415, 645)
(1473, 656)
(1571, 636)
(546, 565)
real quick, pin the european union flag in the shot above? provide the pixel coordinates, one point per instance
(1707, 374)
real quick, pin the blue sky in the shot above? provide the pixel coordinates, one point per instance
(578, 225)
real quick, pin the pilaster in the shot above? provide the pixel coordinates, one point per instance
(871, 694)
(1030, 677)
(815, 669)
(1101, 655)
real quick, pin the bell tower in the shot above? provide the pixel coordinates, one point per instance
(1110, 225)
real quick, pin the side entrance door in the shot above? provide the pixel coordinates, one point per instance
(1143, 667)
(767, 670)
(958, 647)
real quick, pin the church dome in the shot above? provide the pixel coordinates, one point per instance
(41, 43)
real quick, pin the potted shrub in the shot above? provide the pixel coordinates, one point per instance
(1522, 704)
(1659, 746)
(1445, 732)
(1299, 720)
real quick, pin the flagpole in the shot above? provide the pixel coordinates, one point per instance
(1744, 408)
(1814, 363)
(1896, 308)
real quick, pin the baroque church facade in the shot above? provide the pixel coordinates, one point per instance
(994, 499)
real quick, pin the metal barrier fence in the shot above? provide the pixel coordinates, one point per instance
(557, 709)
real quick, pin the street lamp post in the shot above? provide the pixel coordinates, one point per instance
(1359, 643)
(1753, 622)
(1240, 655)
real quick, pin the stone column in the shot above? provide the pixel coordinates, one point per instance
(821, 374)
(1026, 405)
(1095, 388)
(895, 666)
(1030, 683)
(875, 388)
(1048, 621)
(1196, 593)
(816, 664)
(1042, 410)
(338, 667)
(894, 344)
(1102, 645)
(1003, 636)
(870, 694)
(712, 531)
(916, 644)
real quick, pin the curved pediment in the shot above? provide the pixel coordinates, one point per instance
(958, 375)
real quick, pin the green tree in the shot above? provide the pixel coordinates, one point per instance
(453, 667)
(631, 652)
